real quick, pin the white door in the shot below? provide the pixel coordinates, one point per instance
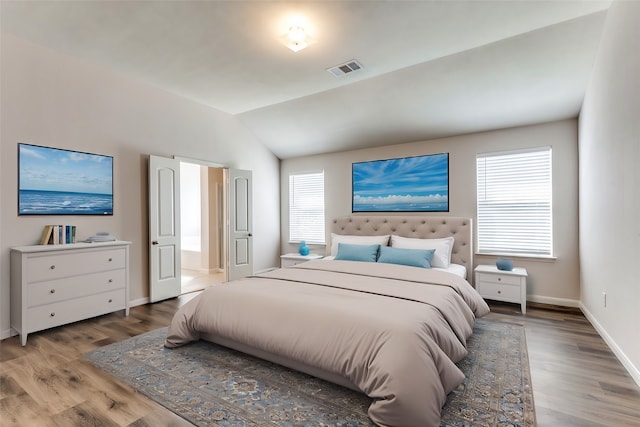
(164, 228)
(240, 252)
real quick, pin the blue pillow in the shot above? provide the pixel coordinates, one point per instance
(411, 257)
(347, 252)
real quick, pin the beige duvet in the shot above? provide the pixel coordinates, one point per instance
(395, 332)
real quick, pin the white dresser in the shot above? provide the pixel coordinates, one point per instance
(500, 285)
(52, 285)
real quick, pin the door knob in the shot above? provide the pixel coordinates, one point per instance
(155, 242)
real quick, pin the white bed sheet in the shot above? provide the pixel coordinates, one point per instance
(456, 269)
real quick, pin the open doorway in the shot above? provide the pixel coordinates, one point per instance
(202, 226)
(224, 242)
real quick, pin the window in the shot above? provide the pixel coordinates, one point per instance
(306, 207)
(514, 202)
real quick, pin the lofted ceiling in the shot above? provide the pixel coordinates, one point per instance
(431, 68)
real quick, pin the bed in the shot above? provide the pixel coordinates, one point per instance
(391, 331)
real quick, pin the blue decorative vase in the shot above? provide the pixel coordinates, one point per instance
(303, 249)
(504, 264)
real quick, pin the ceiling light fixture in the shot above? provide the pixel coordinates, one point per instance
(297, 38)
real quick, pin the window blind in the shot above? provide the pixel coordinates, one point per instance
(514, 203)
(306, 207)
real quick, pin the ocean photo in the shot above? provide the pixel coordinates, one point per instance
(409, 184)
(54, 181)
(36, 202)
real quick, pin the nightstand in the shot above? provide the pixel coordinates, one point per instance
(287, 260)
(500, 285)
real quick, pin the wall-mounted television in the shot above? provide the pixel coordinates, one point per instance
(55, 181)
(407, 184)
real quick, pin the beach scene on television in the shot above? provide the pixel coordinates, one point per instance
(55, 181)
(408, 184)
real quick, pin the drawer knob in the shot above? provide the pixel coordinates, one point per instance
(110, 259)
(52, 291)
(53, 267)
(110, 300)
(110, 280)
(499, 292)
(499, 279)
(52, 315)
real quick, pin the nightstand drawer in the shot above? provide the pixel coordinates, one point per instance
(499, 291)
(288, 260)
(505, 279)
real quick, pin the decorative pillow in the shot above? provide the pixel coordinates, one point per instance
(411, 257)
(443, 248)
(367, 253)
(356, 240)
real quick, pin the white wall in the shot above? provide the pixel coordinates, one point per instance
(55, 100)
(610, 186)
(554, 282)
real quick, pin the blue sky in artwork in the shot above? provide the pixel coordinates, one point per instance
(48, 169)
(410, 180)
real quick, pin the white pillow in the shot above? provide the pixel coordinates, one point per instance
(441, 257)
(356, 240)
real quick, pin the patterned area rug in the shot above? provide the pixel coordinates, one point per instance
(210, 385)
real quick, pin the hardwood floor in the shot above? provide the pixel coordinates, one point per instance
(194, 280)
(577, 381)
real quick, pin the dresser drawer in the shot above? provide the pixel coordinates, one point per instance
(506, 279)
(60, 313)
(55, 266)
(73, 287)
(499, 291)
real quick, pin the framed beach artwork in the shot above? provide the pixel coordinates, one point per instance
(408, 184)
(56, 181)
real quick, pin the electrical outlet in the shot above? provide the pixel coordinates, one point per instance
(604, 299)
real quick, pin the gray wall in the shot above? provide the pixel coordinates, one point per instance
(551, 281)
(610, 187)
(52, 99)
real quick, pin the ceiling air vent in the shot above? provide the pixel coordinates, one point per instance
(346, 68)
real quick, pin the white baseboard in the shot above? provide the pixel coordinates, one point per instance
(7, 333)
(137, 302)
(564, 302)
(634, 371)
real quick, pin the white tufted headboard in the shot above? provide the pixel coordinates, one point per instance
(422, 227)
